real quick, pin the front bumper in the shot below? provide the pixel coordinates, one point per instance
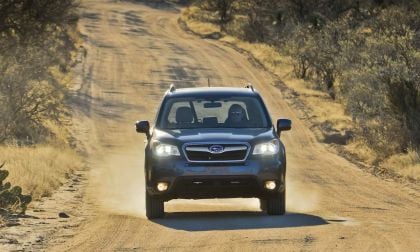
(215, 180)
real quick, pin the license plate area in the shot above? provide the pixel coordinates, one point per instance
(216, 182)
(216, 170)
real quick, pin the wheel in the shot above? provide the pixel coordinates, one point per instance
(276, 206)
(154, 207)
(263, 205)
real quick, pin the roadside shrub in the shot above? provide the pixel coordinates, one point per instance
(407, 164)
(372, 61)
(364, 54)
(42, 169)
(11, 198)
(382, 89)
(29, 94)
(300, 50)
(33, 40)
(223, 8)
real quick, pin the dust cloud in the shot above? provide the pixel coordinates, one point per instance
(118, 182)
(301, 197)
(118, 186)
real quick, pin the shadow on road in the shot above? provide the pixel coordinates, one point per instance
(165, 5)
(207, 221)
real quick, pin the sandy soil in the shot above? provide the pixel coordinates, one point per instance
(134, 51)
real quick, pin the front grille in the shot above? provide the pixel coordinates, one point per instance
(216, 152)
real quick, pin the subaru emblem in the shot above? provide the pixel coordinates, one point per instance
(216, 149)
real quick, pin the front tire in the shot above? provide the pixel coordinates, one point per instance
(277, 205)
(154, 207)
(274, 206)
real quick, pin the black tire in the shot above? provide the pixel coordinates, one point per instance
(154, 207)
(277, 206)
(263, 205)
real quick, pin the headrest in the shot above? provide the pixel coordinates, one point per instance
(236, 107)
(210, 121)
(184, 115)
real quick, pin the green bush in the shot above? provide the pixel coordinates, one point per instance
(370, 57)
(365, 54)
(11, 198)
(382, 88)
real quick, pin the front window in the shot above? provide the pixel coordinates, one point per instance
(222, 112)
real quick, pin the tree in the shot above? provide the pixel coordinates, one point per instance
(382, 89)
(33, 39)
(224, 9)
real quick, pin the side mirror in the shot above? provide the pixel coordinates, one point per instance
(143, 127)
(283, 125)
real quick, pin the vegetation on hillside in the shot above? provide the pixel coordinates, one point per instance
(362, 54)
(35, 46)
(37, 42)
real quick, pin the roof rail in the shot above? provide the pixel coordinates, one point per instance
(249, 85)
(172, 88)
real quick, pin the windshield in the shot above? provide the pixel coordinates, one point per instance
(226, 112)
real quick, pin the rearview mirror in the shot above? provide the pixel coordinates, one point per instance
(212, 105)
(143, 127)
(283, 125)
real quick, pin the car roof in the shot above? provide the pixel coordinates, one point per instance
(211, 92)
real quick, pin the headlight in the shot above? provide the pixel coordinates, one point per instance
(269, 148)
(164, 150)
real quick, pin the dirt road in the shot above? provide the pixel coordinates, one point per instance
(134, 50)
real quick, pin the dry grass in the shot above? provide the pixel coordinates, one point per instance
(361, 151)
(197, 21)
(405, 164)
(39, 170)
(202, 28)
(265, 54)
(322, 108)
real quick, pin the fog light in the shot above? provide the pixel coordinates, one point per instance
(270, 185)
(162, 186)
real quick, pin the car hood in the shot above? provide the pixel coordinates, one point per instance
(181, 136)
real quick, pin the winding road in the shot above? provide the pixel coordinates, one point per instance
(134, 51)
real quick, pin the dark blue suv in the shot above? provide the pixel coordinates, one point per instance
(214, 143)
